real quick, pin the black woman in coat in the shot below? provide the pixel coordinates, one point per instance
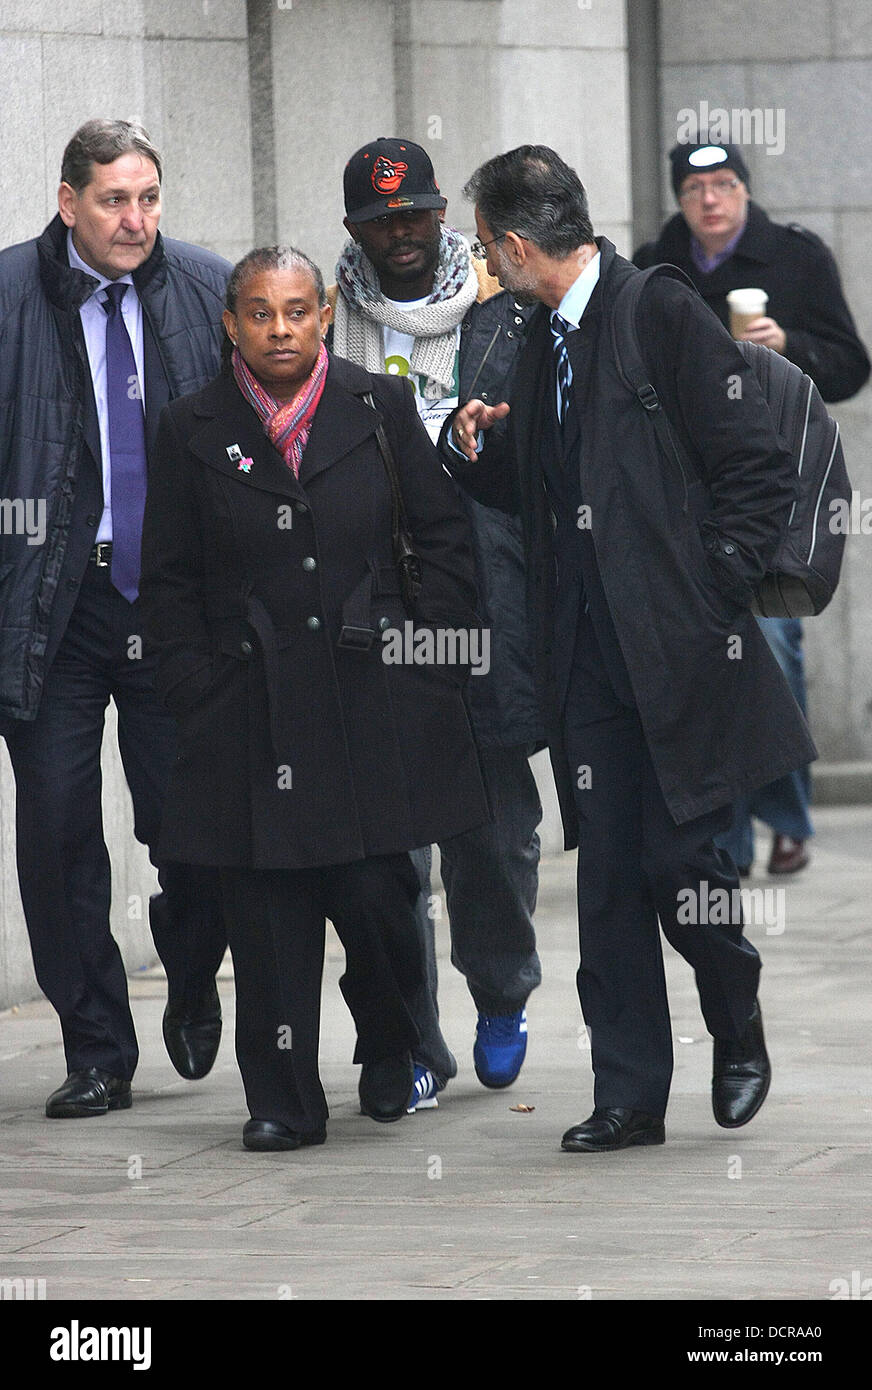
(309, 765)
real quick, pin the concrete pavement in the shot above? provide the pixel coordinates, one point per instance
(475, 1201)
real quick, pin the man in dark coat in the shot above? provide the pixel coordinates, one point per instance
(101, 323)
(411, 300)
(661, 698)
(724, 241)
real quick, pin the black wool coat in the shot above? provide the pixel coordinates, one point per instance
(678, 555)
(296, 751)
(801, 278)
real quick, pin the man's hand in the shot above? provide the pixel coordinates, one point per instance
(471, 418)
(767, 332)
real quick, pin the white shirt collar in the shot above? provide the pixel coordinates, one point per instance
(575, 301)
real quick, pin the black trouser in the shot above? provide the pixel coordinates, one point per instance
(275, 921)
(63, 863)
(633, 863)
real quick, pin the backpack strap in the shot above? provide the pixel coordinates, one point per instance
(628, 355)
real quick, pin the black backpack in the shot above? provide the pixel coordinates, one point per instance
(805, 570)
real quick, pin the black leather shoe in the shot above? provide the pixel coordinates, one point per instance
(385, 1087)
(192, 1033)
(266, 1136)
(90, 1092)
(610, 1127)
(740, 1075)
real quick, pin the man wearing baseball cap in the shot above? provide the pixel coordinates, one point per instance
(724, 241)
(411, 299)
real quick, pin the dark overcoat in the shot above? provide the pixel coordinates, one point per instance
(297, 751)
(802, 280)
(679, 555)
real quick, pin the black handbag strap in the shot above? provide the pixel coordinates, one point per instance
(399, 519)
(407, 562)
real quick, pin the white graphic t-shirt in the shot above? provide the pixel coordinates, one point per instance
(398, 351)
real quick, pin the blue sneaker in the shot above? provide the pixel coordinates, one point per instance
(424, 1091)
(500, 1048)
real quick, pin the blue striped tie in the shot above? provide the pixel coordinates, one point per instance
(559, 330)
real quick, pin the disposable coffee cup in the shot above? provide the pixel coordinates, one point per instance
(744, 306)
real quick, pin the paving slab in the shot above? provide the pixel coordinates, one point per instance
(474, 1201)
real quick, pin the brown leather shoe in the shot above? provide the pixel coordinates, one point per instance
(788, 856)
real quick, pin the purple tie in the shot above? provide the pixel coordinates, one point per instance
(126, 447)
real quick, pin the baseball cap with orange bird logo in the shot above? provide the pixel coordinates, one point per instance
(389, 176)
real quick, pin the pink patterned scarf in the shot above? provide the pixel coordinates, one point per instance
(287, 426)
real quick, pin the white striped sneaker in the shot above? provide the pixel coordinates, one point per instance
(424, 1091)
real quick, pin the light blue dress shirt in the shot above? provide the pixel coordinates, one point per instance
(93, 317)
(575, 301)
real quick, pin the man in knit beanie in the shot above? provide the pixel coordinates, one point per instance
(724, 241)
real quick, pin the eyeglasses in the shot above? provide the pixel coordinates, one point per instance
(479, 248)
(722, 188)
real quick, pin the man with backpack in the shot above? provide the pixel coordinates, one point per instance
(724, 241)
(659, 692)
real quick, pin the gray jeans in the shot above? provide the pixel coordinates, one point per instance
(491, 879)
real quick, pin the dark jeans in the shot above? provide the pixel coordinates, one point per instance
(63, 863)
(276, 920)
(491, 880)
(783, 804)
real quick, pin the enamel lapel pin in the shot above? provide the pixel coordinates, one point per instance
(234, 453)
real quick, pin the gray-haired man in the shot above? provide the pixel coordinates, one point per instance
(101, 323)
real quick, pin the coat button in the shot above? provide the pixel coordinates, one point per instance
(246, 648)
(729, 550)
(313, 624)
(518, 319)
(300, 507)
(308, 563)
(384, 624)
(509, 333)
(483, 396)
(91, 520)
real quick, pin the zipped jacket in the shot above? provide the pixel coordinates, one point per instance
(50, 458)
